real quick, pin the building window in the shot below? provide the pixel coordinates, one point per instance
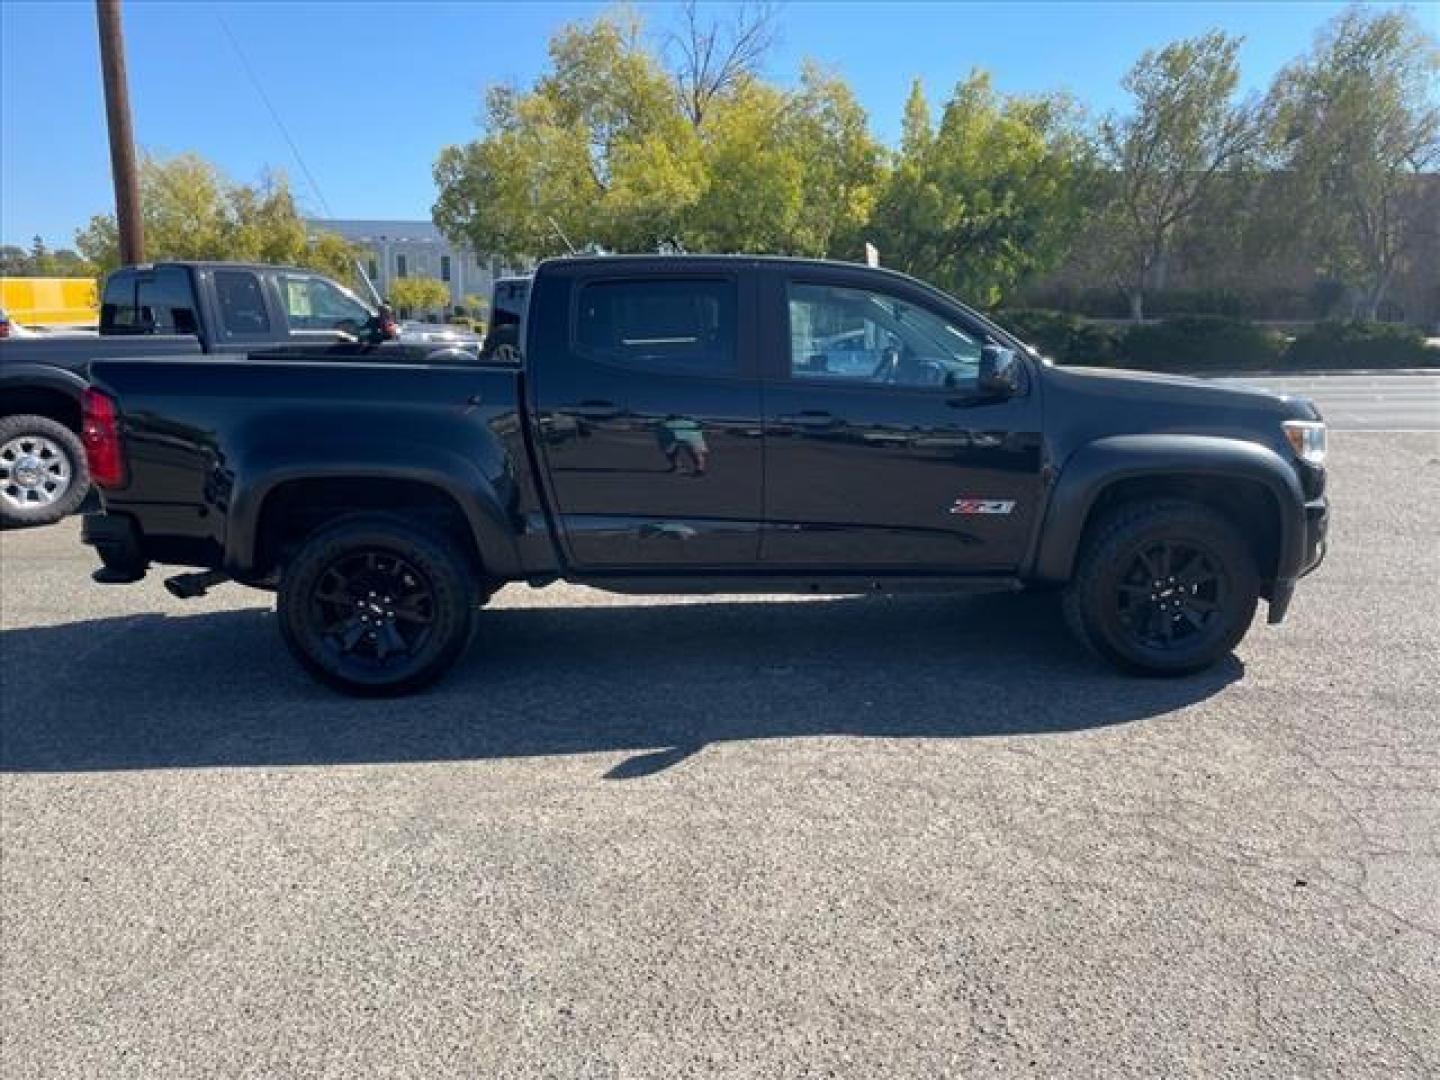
(372, 270)
(401, 268)
(444, 267)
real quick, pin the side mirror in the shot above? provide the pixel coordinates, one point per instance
(999, 371)
(382, 327)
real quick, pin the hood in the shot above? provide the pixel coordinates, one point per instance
(1148, 387)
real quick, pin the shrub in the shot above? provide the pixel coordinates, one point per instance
(1048, 331)
(1065, 338)
(1200, 343)
(1360, 345)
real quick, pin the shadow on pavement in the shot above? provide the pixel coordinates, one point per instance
(218, 689)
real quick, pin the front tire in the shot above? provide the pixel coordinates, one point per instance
(374, 606)
(43, 474)
(1163, 588)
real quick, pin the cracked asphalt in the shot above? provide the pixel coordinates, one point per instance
(730, 837)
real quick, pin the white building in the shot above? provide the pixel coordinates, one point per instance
(397, 249)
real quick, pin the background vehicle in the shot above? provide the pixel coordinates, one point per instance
(12, 329)
(418, 333)
(507, 307)
(667, 430)
(177, 309)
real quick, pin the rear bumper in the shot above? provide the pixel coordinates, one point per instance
(118, 541)
(1317, 529)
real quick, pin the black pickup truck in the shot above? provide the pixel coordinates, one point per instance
(707, 424)
(169, 309)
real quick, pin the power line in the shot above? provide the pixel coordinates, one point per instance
(274, 114)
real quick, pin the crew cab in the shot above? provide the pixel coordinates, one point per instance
(172, 309)
(707, 424)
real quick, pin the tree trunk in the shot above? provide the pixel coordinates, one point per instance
(1375, 296)
(1137, 306)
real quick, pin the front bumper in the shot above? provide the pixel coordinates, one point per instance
(1317, 528)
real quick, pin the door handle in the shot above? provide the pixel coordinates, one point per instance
(809, 418)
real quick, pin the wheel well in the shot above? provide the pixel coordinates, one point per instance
(295, 509)
(1246, 504)
(41, 401)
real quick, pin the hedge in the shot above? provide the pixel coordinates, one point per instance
(1065, 338)
(1201, 343)
(1360, 345)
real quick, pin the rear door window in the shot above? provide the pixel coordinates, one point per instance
(669, 326)
(242, 303)
(166, 302)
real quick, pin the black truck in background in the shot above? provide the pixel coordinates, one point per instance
(165, 309)
(707, 424)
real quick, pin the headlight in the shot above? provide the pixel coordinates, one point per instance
(1307, 439)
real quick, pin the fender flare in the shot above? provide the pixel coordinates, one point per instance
(1099, 464)
(43, 377)
(480, 499)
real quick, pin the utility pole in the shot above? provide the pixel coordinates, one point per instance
(122, 136)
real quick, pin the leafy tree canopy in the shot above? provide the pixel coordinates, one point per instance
(419, 295)
(192, 211)
(610, 150)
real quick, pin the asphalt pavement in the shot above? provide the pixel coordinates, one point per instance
(729, 837)
(1369, 401)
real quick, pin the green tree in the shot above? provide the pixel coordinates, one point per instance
(191, 211)
(990, 198)
(1356, 122)
(419, 296)
(40, 261)
(1184, 130)
(610, 150)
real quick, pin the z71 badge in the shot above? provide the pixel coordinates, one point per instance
(982, 506)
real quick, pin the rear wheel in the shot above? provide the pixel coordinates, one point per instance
(373, 606)
(1163, 588)
(43, 475)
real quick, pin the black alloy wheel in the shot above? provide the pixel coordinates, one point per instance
(1163, 587)
(377, 605)
(373, 608)
(1170, 596)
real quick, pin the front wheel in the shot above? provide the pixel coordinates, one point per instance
(1163, 588)
(43, 475)
(373, 606)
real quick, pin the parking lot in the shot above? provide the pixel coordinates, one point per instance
(730, 836)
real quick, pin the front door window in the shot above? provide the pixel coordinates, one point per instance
(840, 335)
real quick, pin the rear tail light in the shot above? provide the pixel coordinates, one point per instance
(101, 433)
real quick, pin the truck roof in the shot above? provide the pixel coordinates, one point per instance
(216, 264)
(682, 263)
(693, 262)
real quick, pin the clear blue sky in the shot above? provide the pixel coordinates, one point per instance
(371, 91)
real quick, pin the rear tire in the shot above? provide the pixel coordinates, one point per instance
(374, 606)
(1163, 588)
(43, 474)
